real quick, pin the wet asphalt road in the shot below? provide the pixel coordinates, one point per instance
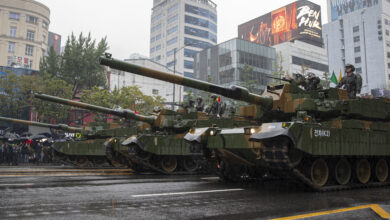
(94, 194)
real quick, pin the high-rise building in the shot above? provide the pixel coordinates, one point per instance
(24, 26)
(236, 62)
(357, 32)
(295, 31)
(179, 29)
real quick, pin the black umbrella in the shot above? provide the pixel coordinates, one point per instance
(37, 136)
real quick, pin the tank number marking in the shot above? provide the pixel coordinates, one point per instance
(321, 133)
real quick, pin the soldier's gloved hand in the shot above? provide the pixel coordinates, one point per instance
(218, 116)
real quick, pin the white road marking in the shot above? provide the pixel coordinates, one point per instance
(210, 178)
(17, 184)
(185, 193)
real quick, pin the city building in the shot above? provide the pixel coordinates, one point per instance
(224, 64)
(179, 29)
(148, 86)
(357, 32)
(24, 26)
(295, 31)
(55, 42)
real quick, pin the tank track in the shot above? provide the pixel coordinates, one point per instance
(278, 161)
(148, 165)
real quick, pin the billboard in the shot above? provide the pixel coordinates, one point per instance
(55, 42)
(298, 20)
(341, 7)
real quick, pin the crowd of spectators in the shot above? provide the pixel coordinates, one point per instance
(18, 152)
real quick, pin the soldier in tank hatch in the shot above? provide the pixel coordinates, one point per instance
(312, 82)
(215, 107)
(199, 104)
(351, 82)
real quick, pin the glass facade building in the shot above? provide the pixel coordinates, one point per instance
(233, 56)
(185, 26)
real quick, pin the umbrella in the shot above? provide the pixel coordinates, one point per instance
(37, 136)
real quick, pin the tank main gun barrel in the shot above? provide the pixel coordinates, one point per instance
(234, 92)
(39, 124)
(125, 113)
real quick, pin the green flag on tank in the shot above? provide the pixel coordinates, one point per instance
(333, 79)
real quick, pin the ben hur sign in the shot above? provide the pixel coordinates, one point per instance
(309, 20)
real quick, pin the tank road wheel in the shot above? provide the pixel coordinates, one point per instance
(189, 164)
(363, 170)
(169, 163)
(81, 161)
(143, 155)
(381, 170)
(319, 172)
(342, 172)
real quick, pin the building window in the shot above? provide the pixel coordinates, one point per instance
(314, 65)
(11, 47)
(170, 63)
(29, 50)
(357, 49)
(172, 19)
(188, 64)
(30, 35)
(44, 39)
(359, 70)
(200, 11)
(157, 17)
(155, 91)
(388, 43)
(44, 24)
(389, 76)
(153, 39)
(200, 33)
(152, 49)
(14, 16)
(388, 65)
(358, 59)
(386, 21)
(155, 28)
(31, 19)
(356, 39)
(200, 22)
(355, 29)
(31, 64)
(158, 58)
(158, 37)
(387, 32)
(9, 61)
(172, 30)
(171, 52)
(172, 41)
(12, 32)
(197, 43)
(190, 53)
(388, 54)
(158, 47)
(173, 8)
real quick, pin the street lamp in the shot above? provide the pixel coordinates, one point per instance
(365, 52)
(174, 71)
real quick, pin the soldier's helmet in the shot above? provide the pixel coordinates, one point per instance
(213, 96)
(199, 98)
(350, 66)
(310, 75)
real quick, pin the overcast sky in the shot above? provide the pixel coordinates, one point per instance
(126, 23)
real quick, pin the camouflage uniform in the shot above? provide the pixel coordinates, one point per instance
(215, 108)
(312, 82)
(352, 84)
(199, 104)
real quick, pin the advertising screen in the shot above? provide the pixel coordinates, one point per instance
(342, 7)
(55, 42)
(298, 20)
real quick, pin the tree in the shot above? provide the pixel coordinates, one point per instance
(247, 79)
(278, 72)
(325, 81)
(130, 97)
(78, 65)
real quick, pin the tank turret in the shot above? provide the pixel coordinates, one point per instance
(277, 102)
(39, 124)
(125, 113)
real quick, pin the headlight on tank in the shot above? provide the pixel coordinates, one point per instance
(249, 131)
(213, 132)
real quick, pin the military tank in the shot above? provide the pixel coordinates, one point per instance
(319, 138)
(158, 144)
